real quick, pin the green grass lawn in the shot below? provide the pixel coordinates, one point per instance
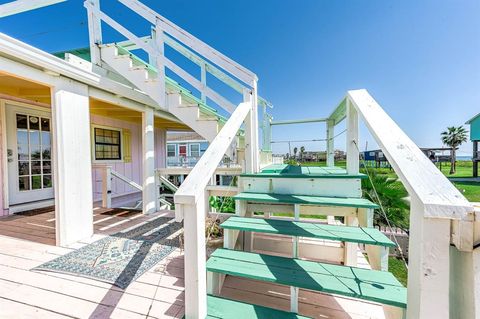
(398, 269)
(471, 190)
(464, 169)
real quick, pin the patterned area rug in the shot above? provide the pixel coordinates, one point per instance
(121, 258)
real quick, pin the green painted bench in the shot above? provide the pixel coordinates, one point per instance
(365, 284)
(368, 236)
(293, 171)
(230, 309)
(305, 200)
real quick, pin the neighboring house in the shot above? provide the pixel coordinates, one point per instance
(185, 148)
(375, 158)
(474, 123)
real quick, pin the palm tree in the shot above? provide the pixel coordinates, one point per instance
(302, 150)
(454, 137)
(295, 150)
(391, 194)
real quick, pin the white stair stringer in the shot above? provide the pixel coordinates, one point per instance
(146, 81)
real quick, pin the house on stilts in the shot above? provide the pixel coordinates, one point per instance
(84, 131)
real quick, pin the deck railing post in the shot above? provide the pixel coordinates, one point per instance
(159, 47)
(428, 264)
(195, 264)
(353, 164)
(266, 130)
(251, 132)
(107, 187)
(330, 143)
(203, 80)
(94, 31)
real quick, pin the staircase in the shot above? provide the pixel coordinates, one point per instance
(329, 191)
(203, 119)
(299, 190)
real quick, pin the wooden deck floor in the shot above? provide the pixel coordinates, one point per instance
(27, 242)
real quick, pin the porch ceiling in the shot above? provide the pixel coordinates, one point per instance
(24, 89)
(117, 112)
(29, 91)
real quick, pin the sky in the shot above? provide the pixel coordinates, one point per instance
(419, 59)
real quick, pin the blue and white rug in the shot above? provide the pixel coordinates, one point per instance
(121, 258)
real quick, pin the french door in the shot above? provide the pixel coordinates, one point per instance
(29, 154)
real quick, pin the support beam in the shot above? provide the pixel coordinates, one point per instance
(159, 46)
(350, 249)
(19, 6)
(195, 266)
(94, 31)
(330, 143)
(475, 158)
(429, 265)
(148, 162)
(353, 164)
(72, 162)
(266, 130)
(203, 80)
(294, 290)
(252, 162)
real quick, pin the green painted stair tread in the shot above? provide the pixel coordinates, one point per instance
(293, 171)
(306, 200)
(230, 309)
(365, 284)
(369, 236)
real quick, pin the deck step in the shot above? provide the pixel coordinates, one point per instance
(359, 283)
(230, 309)
(363, 235)
(305, 200)
(293, 171)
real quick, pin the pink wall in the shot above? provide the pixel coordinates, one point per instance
(132, 170)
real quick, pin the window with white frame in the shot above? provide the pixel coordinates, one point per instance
(195, 150)
(108, 144)
(171, 150)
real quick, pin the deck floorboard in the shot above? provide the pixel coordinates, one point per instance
(158, 293)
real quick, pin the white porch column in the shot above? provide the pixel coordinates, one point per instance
(353, 163)
(148, 158)
(330, 144)
(429, 265)
(72, 162)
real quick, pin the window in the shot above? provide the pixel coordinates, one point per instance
(33, 149)
(107, 144)
(171, 150)
(195, 150)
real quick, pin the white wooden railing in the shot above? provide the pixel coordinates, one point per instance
(164, 32)
(191, 205)
(440, 216)
(107, 175)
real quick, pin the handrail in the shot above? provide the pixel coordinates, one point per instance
(126, 180)
(439, 197)
(198, 60)
(163, 180)
(154, 51)
(194, 185)
(191, 41)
